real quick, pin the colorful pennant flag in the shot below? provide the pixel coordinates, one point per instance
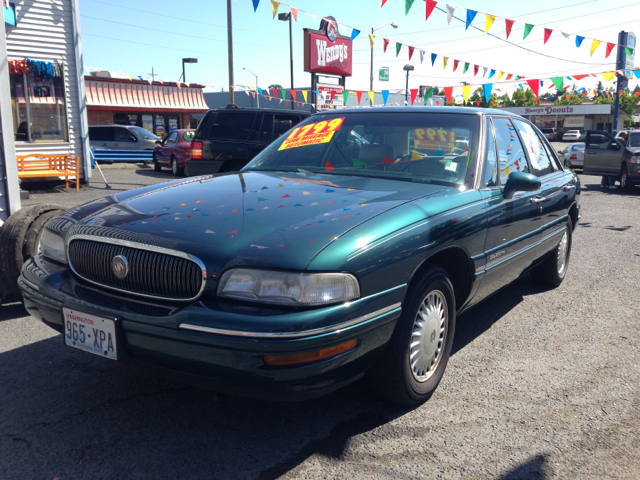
(371, 40)
(475, 70)
(444, 62)
(450, 10)
(527, 30)
(609, 48)
(398, 47)
(255, 5)
(294, 12)
(455, 64)
(407, 6)
(466, 67)
(385, 96)
(534, 85)
(547, 34)
(466, 90)
(579, 41)
(427, 94)
(433, 59)
(487, 91)
(354, 34)
(411, 49)
(359, 95)
(558, 82)
(274, 6)
(471, 14)
(414, 94)
(371, 96)
(447, 93)
(508, 24)
(488, 23)
(430, 6)
(608, 76)
(386, 44)
(304, 95)
(492, 73)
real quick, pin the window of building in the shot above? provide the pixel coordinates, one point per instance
(38, 101)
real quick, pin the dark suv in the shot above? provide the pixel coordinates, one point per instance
(552, 134)
(228, 138)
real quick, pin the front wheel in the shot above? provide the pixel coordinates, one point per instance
(625, 184)
(551, 272)
(413, 362)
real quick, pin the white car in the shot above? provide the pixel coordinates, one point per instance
(572, 156)
(571, 135)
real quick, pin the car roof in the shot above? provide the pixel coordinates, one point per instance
(454, 110)
(260, 110)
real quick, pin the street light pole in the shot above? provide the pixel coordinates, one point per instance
(230, 44)
(287, 17)
(373, 30)
(186, 60)
(258, 97)
(408, 68)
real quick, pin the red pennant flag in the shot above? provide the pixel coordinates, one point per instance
(386, 44)
(493, 102)
(329, 167)
(383, 2)
(286, 102)
(455, 64)
(414, 94)
(584, 94)
(478, 104)
(534, 85)
(411, 49)
(430, 6)
(293, 95)
(333, 95)
(359, 94)
(609, 48)
(637, 94)
(509, 24)
(509, 76)
(475, 70)
(547, 34)
(448, 91)
(580, 77)
(387, 160)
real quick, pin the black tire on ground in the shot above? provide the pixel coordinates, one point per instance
(625, 183)
(19, 237)
(175, 169)
(393, 377)
(156, 165)
(551, 272)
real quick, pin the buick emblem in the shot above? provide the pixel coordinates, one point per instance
(433, 336)
(120, 266)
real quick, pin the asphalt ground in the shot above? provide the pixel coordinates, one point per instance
(540, 385)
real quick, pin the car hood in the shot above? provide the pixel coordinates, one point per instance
(264, 219)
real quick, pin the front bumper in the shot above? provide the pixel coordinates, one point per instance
(210, 346)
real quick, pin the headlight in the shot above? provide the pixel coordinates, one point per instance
(634, 159)
(305, 289)
(52, 246)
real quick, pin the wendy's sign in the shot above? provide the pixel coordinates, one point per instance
(326, 51)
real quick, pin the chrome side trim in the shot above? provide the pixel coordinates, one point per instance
(139, 246)
(284, 335)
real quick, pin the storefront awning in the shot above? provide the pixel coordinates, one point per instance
(141, 96)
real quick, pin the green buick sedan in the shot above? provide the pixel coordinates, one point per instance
(346, 249)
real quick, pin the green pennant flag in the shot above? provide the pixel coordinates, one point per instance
(358, 163)
(398, 47)
(629, 51)
(284, 94)
(407, 5)
(518, 77)
(558, 82)
(527, 30)
(427, 94)
(345, 95)
(466, 67)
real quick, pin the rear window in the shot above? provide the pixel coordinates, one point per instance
(578, 148)
(232, 125)
(546, 130)
(188, 136)
(101, 134)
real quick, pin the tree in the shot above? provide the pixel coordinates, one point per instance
(478, 96)
(522, 98)
(628, 102)
(275, 85)
(574, 99)
(599, 87)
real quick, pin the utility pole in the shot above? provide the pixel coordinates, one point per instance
(153, 75)
(230, 42)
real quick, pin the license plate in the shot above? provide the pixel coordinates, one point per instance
(90, 333)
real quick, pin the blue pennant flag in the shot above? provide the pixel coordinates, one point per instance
(140, 78)
(492, 73)
(470, 16)
(385, 95)
(487, 91)
(260, 91)
(579, 41)
(433, 58)
(255, 5)
(354, 34)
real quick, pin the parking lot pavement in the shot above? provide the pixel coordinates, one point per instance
(541, 384)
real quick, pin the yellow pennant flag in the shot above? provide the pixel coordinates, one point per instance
(372, 39)
(275, 6)
(594, 45)
(304, 94)
(499, 76)
(371, 96)
(444, 62)
(489, 22)
(415, 156)
(608, 76)
(130, 76)
(466, 90)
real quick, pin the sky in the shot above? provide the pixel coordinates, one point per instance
(136, 36)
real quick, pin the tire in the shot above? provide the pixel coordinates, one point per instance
(393, 377)
(551, 272)
(156, 165)
(625, 183)
(175, 169)
(19, 237)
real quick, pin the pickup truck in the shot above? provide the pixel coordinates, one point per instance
(606, 155)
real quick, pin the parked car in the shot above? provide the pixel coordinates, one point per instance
(552, 134)
(572, 156)
(173, 151)
(606, 155)
(122, 137)
(228, 138)
(571, 136)
(347, 248)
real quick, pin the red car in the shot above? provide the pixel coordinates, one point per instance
(173, 151)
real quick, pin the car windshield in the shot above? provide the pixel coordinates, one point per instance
(417, 147)
(188, 136)
(634, 140)
(143, 133)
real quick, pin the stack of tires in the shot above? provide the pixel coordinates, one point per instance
(19, 241)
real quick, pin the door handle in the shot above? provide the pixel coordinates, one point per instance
(536, 200)
(569, 187)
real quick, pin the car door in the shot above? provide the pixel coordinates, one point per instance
(603, 154)
(511, 224)
(166, 148)
(123, 139)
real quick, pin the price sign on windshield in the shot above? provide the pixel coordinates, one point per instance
(312, 134)
(434, 139)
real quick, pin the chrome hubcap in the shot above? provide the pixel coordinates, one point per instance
(429, 336)
(623, 180)
(174, 166)
(562, 253)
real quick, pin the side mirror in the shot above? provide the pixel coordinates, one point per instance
(520, 182)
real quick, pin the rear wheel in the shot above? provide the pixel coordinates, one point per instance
(551, 272)
(413, 362)
(625, 183)
(175, 169)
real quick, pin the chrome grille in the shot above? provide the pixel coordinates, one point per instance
(151, 273)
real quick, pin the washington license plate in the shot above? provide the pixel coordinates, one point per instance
(90, 333)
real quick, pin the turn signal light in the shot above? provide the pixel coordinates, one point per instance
(308, 357)
(196, 150)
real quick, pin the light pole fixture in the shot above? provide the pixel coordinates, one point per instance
(286, 17)
(408, 68)
(373, 30)
(187, 60)
(258, 95)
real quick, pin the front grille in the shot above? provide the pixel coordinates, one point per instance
(151, 274)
